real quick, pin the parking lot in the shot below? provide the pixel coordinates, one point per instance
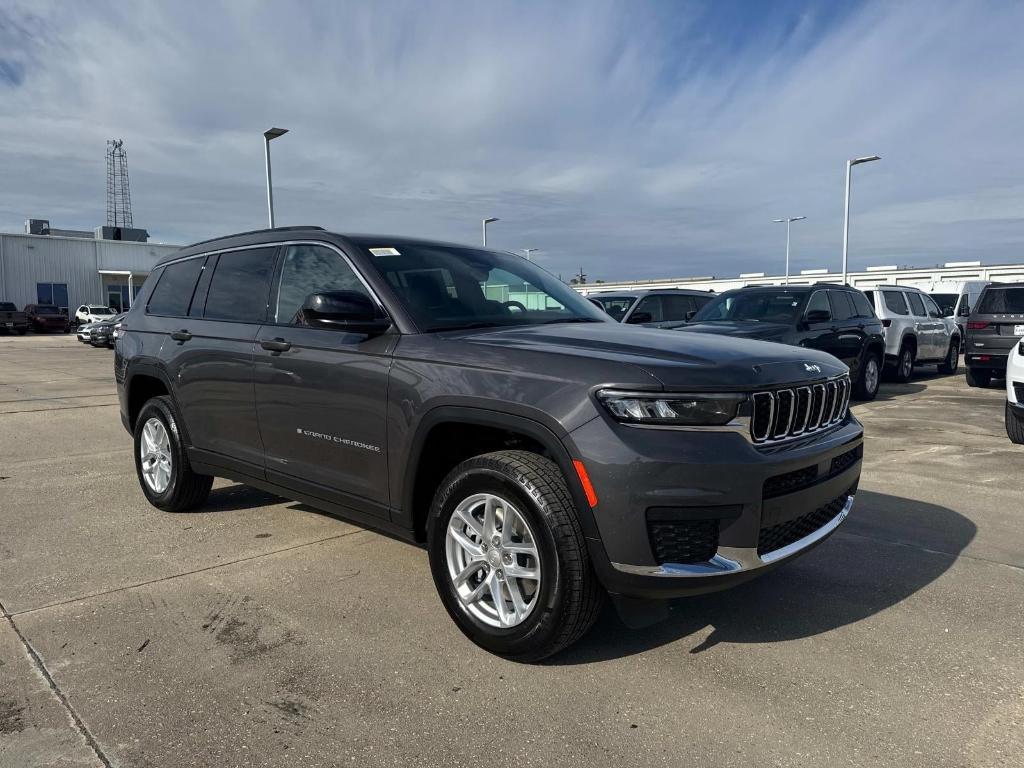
(261, 632)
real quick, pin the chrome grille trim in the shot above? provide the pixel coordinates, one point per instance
(826, 404)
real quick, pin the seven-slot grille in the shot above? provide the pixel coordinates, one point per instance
(785, 413)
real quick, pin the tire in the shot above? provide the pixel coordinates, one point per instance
(184, 489)
(870, 377)
(952, 361)
(568, 598)
(1014, 426)
(978, 377)
(904, 364)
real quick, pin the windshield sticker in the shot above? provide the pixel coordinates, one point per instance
(385, 252)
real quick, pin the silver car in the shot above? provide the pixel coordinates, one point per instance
(916, 330)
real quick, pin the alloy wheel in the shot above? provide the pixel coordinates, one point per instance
(492, 560)
(871, 376)
(906, 364)
(155, 451)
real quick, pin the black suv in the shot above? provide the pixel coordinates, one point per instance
(467, 399)
(832, 318)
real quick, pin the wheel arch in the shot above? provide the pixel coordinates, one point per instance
(143, 383)
(425, 465)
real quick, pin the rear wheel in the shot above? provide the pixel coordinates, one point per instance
(978, 377)
(1014, 426)
(161, 462)
(904, 364)
(866, 387)
(952, 361)
(508, 556)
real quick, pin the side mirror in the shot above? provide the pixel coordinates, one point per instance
(348, 311)
(817, 316)
(690, 315)
(638, 318)
(965, 311)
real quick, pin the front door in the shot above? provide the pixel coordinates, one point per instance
(819, 327)
(321, 393)
(849, 339)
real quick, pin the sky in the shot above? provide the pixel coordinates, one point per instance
(632, 139)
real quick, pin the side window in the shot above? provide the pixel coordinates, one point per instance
(240, 286)
(818, 303)
(675, 307)
(842, 307)
(932, 307)
(173, 291)
(700, 301)
(861, 305)
(916, 305)
(311, 269)
(895, 302)
(649, 305)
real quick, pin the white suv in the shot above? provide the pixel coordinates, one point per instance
(93, 313)
(915, 330)
(1015, 394)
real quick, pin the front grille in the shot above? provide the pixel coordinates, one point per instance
(782, 535)
(683, 541)
(791, 412)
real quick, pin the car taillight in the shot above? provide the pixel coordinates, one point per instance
(886, 322)
(977, 326)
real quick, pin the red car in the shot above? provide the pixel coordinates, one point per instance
(46, 317)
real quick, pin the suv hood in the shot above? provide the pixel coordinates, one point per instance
(677, 360)
(747, 329)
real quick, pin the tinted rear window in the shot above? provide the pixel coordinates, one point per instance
(240, 286)
(1002, 301)
(916, 305)
(6, 306)
(45, 310)
(863, 306)
(842, 305)
(173, 293)
(895, 302)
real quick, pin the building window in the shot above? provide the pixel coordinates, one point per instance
(52, 293)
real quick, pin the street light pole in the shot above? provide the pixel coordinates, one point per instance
(485, 223)
(528, 251)
(273, 133)
(846, 206)
(788, 221)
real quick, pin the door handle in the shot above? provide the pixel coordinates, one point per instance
(181, 336)
(276, 346)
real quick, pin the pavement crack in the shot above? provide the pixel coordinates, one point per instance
(919, 548)
(125, 588)
(37, 662)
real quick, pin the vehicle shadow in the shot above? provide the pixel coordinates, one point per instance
(891, 391)
(888, 549)
(237, 497)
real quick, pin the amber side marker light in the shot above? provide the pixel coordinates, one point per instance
(588, 487)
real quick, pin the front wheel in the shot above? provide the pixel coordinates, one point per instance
(508, 556)
(952, 361)
(1014, 426)
(866, 387)
(161, 461)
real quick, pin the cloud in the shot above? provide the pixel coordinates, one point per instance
(637, 140)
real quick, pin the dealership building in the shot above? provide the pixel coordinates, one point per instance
(69, 268)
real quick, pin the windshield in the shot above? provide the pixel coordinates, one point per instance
(101, 310)
(1002, 301)
(6, 306)
(946, 301)
(766, 306)
(446, 287)
(615, 306)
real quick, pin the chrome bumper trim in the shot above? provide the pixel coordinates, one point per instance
(737, 559)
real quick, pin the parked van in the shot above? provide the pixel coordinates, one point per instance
(956, 298)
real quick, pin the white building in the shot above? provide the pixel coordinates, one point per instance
(71, 271)
(872, 276)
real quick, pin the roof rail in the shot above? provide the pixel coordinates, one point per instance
(255, 232)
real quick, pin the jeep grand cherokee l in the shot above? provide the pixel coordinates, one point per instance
(464, 398)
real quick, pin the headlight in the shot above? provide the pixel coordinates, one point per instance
(703, 409)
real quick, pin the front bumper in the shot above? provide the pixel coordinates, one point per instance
(762, 507)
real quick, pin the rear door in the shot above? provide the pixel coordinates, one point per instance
(321, 393)
(209, 355)
(849, 334)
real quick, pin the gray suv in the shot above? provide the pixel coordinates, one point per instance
(466, 399)
(993, 329)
